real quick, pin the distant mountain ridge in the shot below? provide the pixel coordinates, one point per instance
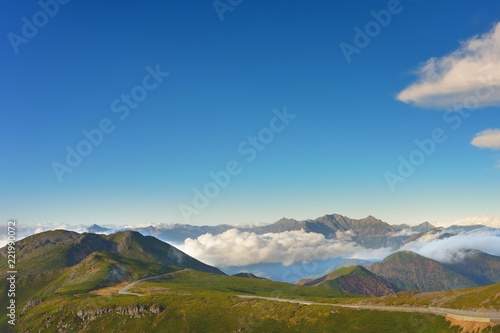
(344, 263)
(369, 232)
(96, 229)
(248, 276)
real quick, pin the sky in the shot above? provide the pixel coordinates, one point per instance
(206, 112)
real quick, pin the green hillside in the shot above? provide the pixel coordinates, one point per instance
(63, 261)
(192, 301)
(480, 267)
(191, 280)
(485, 298)
(99, 269)
(410, 271)
(53, 250)
(355, 280)
(214, 313)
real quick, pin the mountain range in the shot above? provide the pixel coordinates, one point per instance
(359, 241)
(409, 271)
(369, 232)
(123, 255)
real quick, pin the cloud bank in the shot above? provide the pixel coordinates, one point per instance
(486, 220)
(469, 77)
(239, 248)
(451, 249)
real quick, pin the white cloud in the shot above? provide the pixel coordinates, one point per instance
(430, 236)
(489, 139)
(468, 77)
(451, 249)
(23, 231)
(345, 235)
(405, 232)
(140, 225)
(239, 248)
(486, 220)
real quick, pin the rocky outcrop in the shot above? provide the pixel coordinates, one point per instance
(132, 311)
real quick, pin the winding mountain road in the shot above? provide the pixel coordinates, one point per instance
(455, 314)
(471, 316)
(125, 290)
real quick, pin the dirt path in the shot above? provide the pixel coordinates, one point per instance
(455, 314)
(125, 290)
(108, 291)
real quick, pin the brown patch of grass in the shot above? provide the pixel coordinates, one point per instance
(109, 291)
(469, 326)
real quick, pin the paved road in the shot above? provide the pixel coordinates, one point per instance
(457, 314)
(125, 290)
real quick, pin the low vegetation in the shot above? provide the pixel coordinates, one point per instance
(480, 299)
(186, 309)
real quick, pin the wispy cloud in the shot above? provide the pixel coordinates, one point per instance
(237, 248)
(469, 76)
(28, 230)
(488, 139)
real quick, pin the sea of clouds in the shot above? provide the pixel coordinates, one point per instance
(239, 248)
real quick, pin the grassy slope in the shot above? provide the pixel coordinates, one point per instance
(191, 301)
(189, 281)
(479, 298)
(219, 313)
(354, 279)
(150, 249)
(59, 249)
(99, 269)
(410, 271)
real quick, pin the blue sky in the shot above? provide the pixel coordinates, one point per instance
(225, 79)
